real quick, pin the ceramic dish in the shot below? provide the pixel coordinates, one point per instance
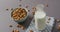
(20, 20)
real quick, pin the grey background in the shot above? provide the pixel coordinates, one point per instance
(52, 10)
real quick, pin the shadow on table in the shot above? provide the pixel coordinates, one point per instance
(27, 22)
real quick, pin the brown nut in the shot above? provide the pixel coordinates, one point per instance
(15, 30)
(16, 19)
(14, 12)
(20, 16)
(31, 31)
(14, 15)
(28, 10)
(20, 5)
(22, 27)
(19, 26)
(24, 15)
(11, 8)
(49, 18)
(58, 27)
(17, 10)
(10, 26)
(7, 9)
(46, 5)
(34, 8)
(33, 12)
(27, 6)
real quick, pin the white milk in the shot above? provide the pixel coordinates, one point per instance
(40, 21)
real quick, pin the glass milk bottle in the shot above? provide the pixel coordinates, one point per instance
(40, 15)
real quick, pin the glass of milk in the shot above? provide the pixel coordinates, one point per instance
(40, 17)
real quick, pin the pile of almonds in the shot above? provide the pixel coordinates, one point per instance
(19, 13)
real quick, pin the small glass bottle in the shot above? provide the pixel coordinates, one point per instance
(40, 17)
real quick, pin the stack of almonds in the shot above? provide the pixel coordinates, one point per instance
(19, 13)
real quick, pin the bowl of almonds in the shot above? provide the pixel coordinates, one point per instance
(19, 14)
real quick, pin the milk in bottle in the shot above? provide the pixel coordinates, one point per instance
(40, 21)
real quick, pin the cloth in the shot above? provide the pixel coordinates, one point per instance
(48, 25)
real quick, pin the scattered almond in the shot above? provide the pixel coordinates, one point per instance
(33, 12)
(20, 5)
(49, 18)
(11, 8)
(15, 30)
(58, 27)
(27, 6)
(7, 9)
(19, 26)
(22, 27)
(28, 10)
(46, 5)
(31, 31)
(10, 26)
(34, 8)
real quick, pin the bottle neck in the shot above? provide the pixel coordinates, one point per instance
(40, 10)
(40, 7)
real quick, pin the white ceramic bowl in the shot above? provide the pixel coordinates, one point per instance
(22, 20)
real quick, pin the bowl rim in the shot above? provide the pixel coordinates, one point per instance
(23, 18)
